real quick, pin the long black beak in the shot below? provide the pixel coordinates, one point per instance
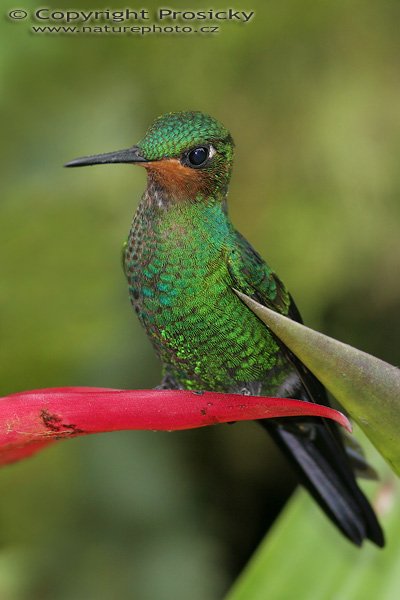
(130, 155)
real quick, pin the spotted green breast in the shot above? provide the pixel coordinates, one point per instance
(181, 263)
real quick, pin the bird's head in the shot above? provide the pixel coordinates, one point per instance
(188, 156)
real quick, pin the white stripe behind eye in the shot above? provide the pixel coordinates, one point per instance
(212, 152)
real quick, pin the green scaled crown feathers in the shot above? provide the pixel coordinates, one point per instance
(173, 133)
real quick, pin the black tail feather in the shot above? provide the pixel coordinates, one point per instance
(324, 469)
(318, 454)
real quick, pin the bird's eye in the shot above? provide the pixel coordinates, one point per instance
(198, 156)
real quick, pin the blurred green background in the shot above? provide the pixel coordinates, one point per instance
(310, 92)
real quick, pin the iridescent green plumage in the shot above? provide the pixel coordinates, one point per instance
(183, 261)
(181, 264)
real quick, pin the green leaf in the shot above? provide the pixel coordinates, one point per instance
(304, 557)
(367, 387)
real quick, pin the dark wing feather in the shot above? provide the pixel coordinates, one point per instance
(316, 451)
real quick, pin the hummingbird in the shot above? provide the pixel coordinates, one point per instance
(183, 260)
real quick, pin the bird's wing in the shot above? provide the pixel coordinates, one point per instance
(317, 452)
(253, 277)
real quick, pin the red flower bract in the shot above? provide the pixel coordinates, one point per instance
(31, 420)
